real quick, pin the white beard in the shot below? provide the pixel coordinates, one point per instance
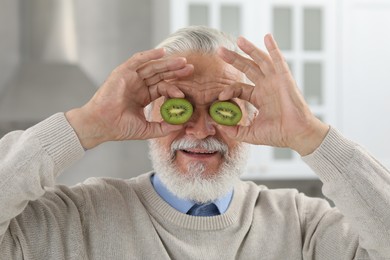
(192, 184)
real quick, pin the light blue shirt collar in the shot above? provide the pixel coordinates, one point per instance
(184, 205)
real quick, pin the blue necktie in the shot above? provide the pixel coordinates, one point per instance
(204, 210)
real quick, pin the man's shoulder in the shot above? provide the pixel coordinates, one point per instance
(106, 183)
(278, 196)
(262, 190)
(97, 187)
(99, 191)
(290, 200)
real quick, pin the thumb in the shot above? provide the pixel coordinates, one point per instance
(161, 129)
(230, 131)
(168, 128)
(239, 133)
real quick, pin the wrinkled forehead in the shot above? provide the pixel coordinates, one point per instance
(211, 75)
(201, 93)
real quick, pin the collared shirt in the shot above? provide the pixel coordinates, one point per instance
(184, 205)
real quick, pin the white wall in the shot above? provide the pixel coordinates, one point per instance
(9, 38)
(365, 75)
(112, 31)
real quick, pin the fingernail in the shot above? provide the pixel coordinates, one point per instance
(161, 49)
(179, 94)
(225, 55)
(269, 39)
(222, 96)
(241, 40)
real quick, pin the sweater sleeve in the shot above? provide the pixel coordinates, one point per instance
(30, 161)
(360, 188)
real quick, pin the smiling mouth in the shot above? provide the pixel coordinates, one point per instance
(200, 152)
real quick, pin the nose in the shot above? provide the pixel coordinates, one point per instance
(201, 125)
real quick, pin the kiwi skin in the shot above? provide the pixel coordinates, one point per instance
(225, 113)
(176, 111)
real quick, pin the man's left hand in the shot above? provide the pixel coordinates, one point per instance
(284, 118)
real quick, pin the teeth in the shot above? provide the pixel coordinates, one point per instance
(200, 152)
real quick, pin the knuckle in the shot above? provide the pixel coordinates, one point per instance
(162, 76)
(138, 55)
(159, 86)
(155, 80)
(154, 67)
(141, 74)
(148, 82)
(122, 82)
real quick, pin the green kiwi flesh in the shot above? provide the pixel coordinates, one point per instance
(225, 113)
(176, 111)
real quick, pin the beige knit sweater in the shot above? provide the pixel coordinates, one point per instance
(126, 219)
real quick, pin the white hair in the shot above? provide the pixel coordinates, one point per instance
(198, 39)
(201, 40)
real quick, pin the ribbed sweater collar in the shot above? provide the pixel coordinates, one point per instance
(163, 212)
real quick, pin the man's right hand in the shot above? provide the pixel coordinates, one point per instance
(116, 111)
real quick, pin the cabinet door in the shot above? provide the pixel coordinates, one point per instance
(365, 75)
(231, 16)
(305, 32)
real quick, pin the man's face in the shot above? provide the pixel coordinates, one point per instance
(202, 88)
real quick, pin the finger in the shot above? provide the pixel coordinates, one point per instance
(183, 72)
(237, 90)
(165, 89)
(157, 66)
(245, 65)
(279, 61)
(142, 57)
(259, 56)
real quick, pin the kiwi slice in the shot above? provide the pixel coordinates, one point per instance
(176, 111)
(225, 113)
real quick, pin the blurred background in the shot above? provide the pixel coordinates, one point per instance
(54, 54)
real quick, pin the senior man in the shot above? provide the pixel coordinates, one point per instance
(193, 205)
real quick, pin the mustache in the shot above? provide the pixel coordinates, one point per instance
(210, 143)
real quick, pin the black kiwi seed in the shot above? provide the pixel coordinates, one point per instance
(176, 111)
(225, 113)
